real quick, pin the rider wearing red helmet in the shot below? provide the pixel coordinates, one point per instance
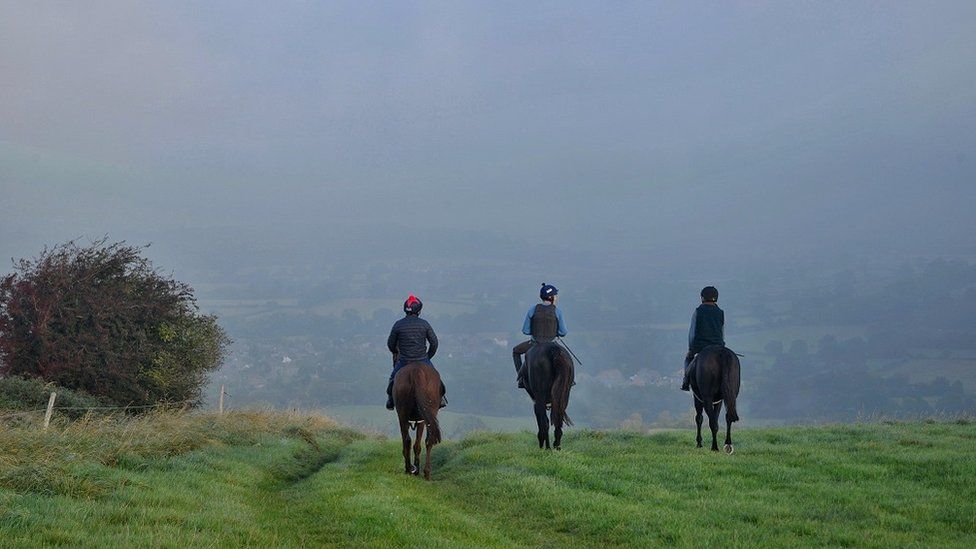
(408, 342)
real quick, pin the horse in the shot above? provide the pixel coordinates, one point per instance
(549, 377)
(716, 380)
(416, 396)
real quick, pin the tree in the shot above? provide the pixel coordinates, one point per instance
(101, 319)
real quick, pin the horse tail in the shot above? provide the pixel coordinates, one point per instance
(730, 382)
(563, 370)
(425, 406)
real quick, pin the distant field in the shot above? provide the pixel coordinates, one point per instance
(363, 307)
(286, 480)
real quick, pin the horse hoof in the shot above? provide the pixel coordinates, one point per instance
(413, 470)
(557, 447)
(729, 449)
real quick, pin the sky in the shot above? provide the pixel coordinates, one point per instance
(755, 129)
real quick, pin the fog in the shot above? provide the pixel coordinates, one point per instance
(628, 152)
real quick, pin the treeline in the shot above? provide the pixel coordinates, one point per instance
(837, 382)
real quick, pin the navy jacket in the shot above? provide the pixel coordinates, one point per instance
(409, 338)
(707, 328)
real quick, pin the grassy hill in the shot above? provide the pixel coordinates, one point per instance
(267, 479)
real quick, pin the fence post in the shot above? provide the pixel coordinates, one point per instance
(50, 410)
(221, 405)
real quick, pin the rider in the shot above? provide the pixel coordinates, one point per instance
(408, 343)
(544, 321)
(707, 328)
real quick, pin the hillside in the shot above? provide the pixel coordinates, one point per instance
(267, 479)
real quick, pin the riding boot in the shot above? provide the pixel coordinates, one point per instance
(443, 395)
(521, 376)
(518, 370)
(389, 396)
(686, 381)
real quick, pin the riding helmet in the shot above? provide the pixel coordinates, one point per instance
(709, 293)
(412, 305)
(547, 292)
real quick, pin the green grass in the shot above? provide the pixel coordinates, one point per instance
(263, 479)
(380, 420)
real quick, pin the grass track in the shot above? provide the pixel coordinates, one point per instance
(864, 485)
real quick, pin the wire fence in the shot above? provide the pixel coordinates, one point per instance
(95, 408)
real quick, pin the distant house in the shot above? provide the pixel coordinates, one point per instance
(611, 378)
(645, 377)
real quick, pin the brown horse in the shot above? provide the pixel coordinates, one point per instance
(416, 395)
(549, 377)
(715, 380)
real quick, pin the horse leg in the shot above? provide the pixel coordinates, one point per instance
(713, 425)
(427, 458)
(728, 434)
(698, 421)
(543, 421)
(405, 435)
(557, 423)
(416, 447)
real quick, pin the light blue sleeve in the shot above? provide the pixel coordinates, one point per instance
(561, 328)
(691, 331)
(527, 324)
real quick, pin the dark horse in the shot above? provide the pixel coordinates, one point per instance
(714, 381)
(416, 395)
(549, 379)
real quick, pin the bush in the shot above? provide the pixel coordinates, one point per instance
(100, 319)
(18, 394)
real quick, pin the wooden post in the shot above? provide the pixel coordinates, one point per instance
(221, 405)
(50, 410)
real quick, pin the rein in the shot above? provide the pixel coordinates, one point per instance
(698, 398)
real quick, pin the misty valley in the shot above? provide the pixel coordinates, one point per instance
(849, 342)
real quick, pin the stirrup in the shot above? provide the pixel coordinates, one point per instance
(443, 401)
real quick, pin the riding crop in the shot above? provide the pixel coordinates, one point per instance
(564, 346)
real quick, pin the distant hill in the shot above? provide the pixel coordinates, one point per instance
(288, 480)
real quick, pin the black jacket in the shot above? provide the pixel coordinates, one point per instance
(409, 338)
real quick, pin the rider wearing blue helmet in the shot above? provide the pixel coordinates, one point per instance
(543, 322)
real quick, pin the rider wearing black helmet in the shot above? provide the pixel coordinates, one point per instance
(544, 322)
(408, 342)
(707, 328)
